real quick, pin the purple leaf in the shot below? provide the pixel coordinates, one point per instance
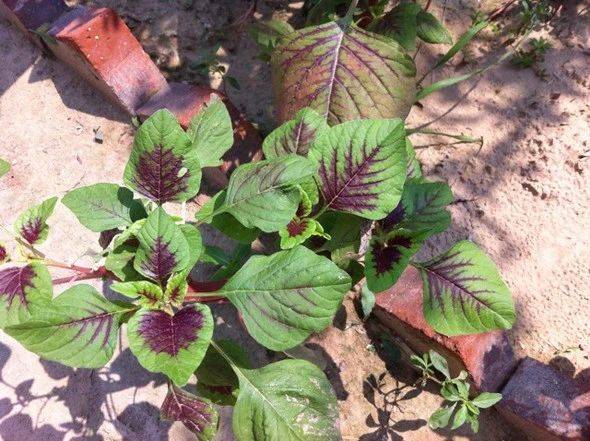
(196, 413)
(3, 253)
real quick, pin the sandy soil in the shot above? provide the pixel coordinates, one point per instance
(524, 197)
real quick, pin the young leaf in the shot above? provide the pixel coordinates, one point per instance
(367, 301)
(163, 248)
(295, 136)
(401, 24)
(263, 194)
(102, 207)
(441, 417)
(387, 258)
(363, 167)
(19, 289)
(486, 399)
(291, 400)
(176, 289)
(440, 363)
(196, 413)
(32, 224)
(4, 167)
(149, 294)
(285, 297)
(120, 262)
(171, 344)
(158, 166)
(298, 231)
(79, 328)
(211, 134)
(460, 417)
(431, 30)
(343, 73)
(128, 234)
(464, 293)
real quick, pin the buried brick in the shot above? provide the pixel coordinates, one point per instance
(101, 48)
(488, 357)
(185, 101)
(30, 15)
(546, 404)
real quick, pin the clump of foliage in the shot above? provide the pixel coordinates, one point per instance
(525, 58)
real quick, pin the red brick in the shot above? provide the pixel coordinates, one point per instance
(546, 404)
(100, 46)
(185, 101)
(488, 357)
(29, 15)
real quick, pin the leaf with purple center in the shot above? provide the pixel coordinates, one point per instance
(196, 413)
(79, 328)
(163, 248)
(176, 289)
(102, 207)
(3, 254)
(464, 292)
(171, 344)
(149, 294)
(20, 288)
(363, 167)
(387, 257)
(296, 136)
(285, 297)
(298, 231)
(32, 224)
(342, 72)
(160, 166)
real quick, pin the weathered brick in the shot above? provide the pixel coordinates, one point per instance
(546, 404)
(29, 15)
(100, 46)
(185, 101)
(488, 357)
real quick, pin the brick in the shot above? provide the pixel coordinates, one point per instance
(100, 47)
(546, 404)
(29, 15)
(185, 101)
(488, 357)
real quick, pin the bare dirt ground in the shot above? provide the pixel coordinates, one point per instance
(524, 197)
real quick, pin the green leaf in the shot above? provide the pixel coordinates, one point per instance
(171, 344)
(149, 294)
(196, 413)
(296, 136)
(285, 297)
(79, 328)
(441, 417)
(450, 392)
(211, 133)
(4, 167)
(291, 400)
(195, 243)
(263, 194)
(440, 363)
(401, 24)
(120, 262)
(163, 248)
(431, 30)
(462, 42)
(239, 256)
(486, 399)
(20, 289)
(363, 166)
(443, 84)
(298, 231)
(464, 293)
(102, 207)
(215, 371)
(160, 165)
(32, 224)
(267, 35)
(128, 233)
(176, 289)
(460, 417)
(367, 301)
(212, 213)
(414, 170)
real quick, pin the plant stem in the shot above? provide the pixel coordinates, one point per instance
(350, 12)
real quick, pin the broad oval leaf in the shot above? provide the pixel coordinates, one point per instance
(263, 194)
(102, 207)
(342, 72)
(19, 289)
(464, 293)
(296, 136)
(285, 297)
(79, 328)
(32, 224)
(163, 248)
(171, 344)
(158, 166)
(363, 167)
(196, 413)
(291, 400)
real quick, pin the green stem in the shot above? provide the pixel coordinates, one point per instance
(350, 12)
